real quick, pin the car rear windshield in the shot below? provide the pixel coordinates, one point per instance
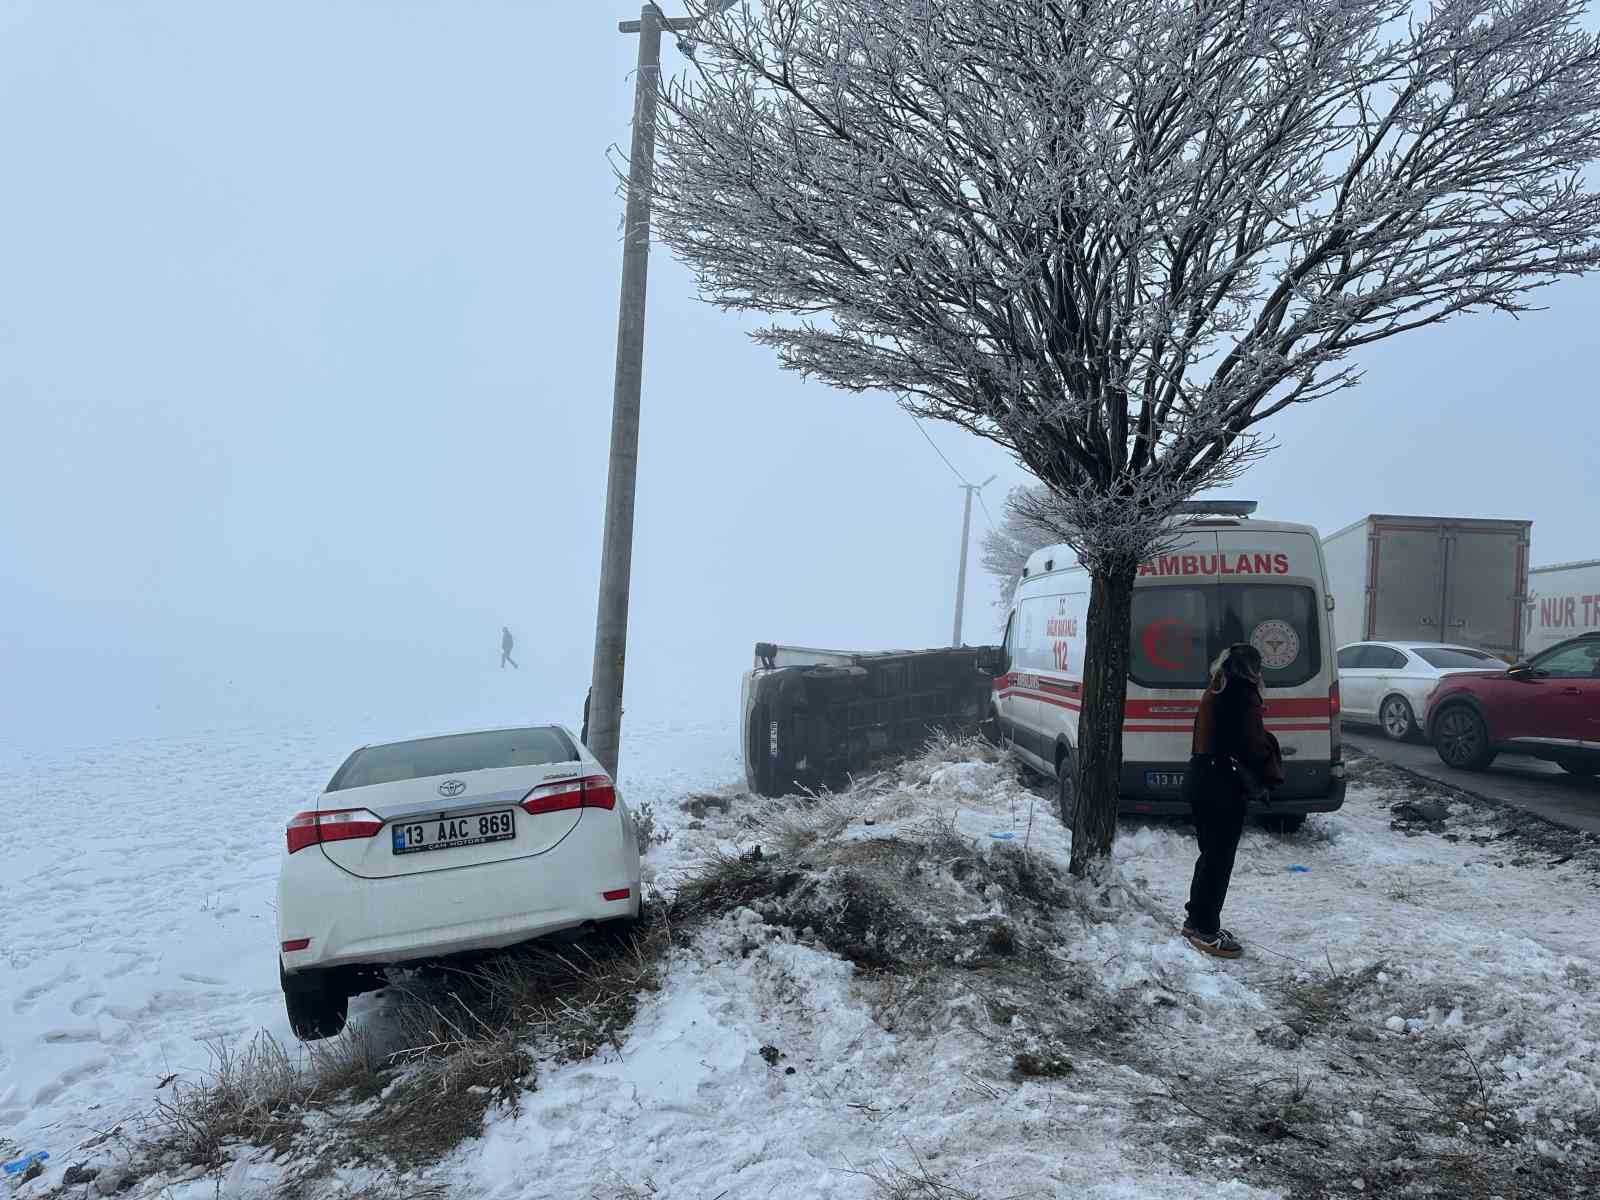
(1179, 631)
(1455, 656)
(453, 755)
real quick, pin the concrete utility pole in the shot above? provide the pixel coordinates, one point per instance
(966, 536)
(616, 559)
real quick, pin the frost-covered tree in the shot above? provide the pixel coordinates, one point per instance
(1006, 547)
(1115, 236)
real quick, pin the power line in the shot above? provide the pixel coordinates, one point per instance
(986, 511)
(961, 479)
(966, 526)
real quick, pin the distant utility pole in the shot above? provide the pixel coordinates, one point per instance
(966, 536)
(616, 559)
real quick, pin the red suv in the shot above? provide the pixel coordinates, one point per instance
(1548, 707)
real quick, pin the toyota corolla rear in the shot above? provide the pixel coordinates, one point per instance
(445, 845)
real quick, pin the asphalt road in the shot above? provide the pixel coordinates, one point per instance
(1529, 783)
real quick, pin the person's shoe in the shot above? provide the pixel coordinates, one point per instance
(1221, 944)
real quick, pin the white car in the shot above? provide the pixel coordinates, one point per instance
(1388, 683)
(432, 847)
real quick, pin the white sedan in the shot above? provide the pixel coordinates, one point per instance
(1388, 683)
(442, 845)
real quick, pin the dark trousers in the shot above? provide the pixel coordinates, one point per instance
(1218, 805)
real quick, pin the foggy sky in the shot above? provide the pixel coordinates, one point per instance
(306, 349)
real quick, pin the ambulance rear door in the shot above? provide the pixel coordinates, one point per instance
(1271, 594)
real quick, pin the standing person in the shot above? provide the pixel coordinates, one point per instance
(1233, 760)
(506, 642)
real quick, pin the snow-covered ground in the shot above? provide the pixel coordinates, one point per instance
(1465, 948)
(137, 899)
(138, 927)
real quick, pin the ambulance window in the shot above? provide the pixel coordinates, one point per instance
(1279, 621)
(1170, 637)
(1032, 648)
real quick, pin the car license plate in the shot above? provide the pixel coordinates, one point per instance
(1165, 780)
(445, 832)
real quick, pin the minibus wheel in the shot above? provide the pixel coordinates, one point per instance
(1066, 788)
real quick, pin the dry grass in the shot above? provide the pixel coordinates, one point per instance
(442, 1097)
(1322, 1000)
(464, 1039)
(615, 1187)
(796, 828)
(915, 1181)
(723, 884)
(258, 1094)
(567, 1002)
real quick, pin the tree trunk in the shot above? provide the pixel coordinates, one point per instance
(1105, 693)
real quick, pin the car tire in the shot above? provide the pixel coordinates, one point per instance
(1579, 766)
(1397, 720)
(1284, 824)
(1461, 739)
(1066, 791)
(316, 1003)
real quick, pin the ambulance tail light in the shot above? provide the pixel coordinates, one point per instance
(1335, 733)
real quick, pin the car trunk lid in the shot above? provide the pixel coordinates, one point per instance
(440, 823)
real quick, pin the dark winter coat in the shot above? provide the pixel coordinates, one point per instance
(1230, 732)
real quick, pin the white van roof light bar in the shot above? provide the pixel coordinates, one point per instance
(1217, 508)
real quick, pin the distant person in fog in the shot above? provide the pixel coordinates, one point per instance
(1233, 760)
(506, 642)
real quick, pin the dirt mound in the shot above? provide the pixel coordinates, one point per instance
(893, 903)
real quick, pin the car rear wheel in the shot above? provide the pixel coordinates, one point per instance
(1066, 790)
(1462, 739)
(316, 1002)
(1398, 721)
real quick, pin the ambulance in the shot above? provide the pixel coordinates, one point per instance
(1224, 578)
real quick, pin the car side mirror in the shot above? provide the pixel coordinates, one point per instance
(1520, 670)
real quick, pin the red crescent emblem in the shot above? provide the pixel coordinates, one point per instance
(1156, 638)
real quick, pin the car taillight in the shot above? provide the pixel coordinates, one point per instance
(341, 824)
(1335, 733)
(592, 791)
(599, 792)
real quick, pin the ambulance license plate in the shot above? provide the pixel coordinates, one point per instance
(1164, 780)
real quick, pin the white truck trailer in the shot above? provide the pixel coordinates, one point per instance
(1563, 601)
(1432, 579)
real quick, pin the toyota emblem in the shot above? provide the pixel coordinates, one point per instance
(452, 787)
